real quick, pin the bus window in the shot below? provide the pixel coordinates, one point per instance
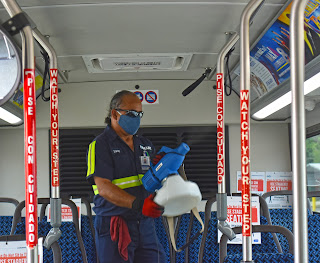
(313, 168)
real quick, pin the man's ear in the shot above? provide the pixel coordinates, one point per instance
(114, 114)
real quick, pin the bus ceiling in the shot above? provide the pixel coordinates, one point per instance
(112, 41)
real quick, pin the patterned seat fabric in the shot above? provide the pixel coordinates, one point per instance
(314, 238)
(211, 249)
(181, 237)
(262, 258)
(68, 241)
(88, 239)
(162, 236)
(5, 223)
(195, 245)
(282, 217)
(267, 243)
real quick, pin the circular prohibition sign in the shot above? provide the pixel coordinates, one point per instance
(151, 97)
(139, 94)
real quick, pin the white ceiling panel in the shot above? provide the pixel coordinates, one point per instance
(79, 28)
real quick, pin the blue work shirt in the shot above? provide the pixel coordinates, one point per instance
(111, 158)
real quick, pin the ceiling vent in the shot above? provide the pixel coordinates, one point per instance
(137, 62)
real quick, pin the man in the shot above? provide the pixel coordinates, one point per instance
(117, 160)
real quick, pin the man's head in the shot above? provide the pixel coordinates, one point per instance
(125, 112)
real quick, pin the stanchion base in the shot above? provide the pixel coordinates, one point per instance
(247, 261)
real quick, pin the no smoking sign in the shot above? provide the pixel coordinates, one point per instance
(147, 97)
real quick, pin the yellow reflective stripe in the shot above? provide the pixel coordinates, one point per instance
(128, 182)
(88, 161)
(95, 189)
(91, 158)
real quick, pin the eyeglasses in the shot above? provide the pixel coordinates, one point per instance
(131, 113)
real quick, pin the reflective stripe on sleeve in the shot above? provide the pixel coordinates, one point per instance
(128, 182)
(95, 189)
(91, 158)
(123, 183)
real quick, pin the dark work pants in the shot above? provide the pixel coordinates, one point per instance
(144, 246)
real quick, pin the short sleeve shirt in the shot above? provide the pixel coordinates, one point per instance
(111, 158)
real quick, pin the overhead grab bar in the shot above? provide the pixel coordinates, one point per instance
(55, 200)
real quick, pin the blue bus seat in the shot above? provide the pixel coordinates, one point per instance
(162, 236)
(87, 230)
(314, 238)
(6, 221)
(5, 225)
(262, 258)
(71, 241)
(211, 246)
(266, 252)
(88, 239)
(267, 245)
(193, 249)
(68, 241)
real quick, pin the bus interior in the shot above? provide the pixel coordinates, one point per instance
(237, 80)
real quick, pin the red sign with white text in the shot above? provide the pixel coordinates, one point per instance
(256, 185)
(30, 158)
(54, 127)
(279, 185)
(245, 162)
(220, 127)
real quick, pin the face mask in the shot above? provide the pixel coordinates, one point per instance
(129, 124)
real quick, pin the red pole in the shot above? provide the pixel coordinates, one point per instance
(30, 158)
(220, 129)
(55, 172)
(245, 163)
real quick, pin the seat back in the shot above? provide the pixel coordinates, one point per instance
(87, 230)
(162, 234)
(71, 241)
(265, 246)
(6, 221)
(314, 238)
(283, 217)
(268, 244)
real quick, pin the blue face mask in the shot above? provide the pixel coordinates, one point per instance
(129, 124)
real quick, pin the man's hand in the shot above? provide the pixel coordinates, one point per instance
(148, 207)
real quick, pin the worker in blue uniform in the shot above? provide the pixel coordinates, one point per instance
(117, 159)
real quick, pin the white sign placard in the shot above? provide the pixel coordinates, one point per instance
(279, 181)
(257, 182)
(234, 218)
(66, 213)
(147, 97)
(16, 251)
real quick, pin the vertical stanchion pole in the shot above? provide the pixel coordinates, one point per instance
(298, 141)
(250, 9)
(30, 150)
(55, 200)
(29, 107)
(222, 194)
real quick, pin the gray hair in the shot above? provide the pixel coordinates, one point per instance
(116, 102)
